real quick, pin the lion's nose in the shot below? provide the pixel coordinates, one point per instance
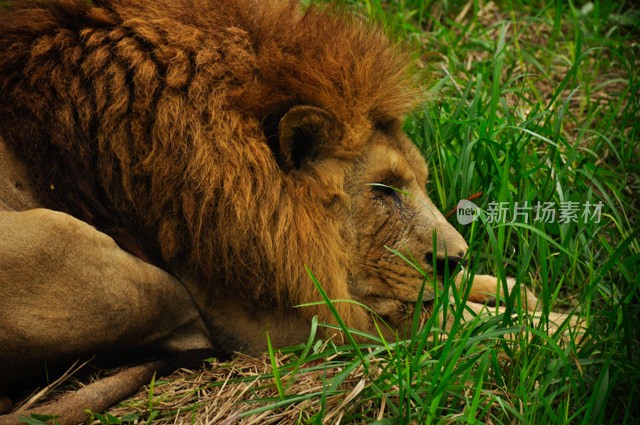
(451, 262)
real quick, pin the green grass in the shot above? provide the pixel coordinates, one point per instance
(532, 102)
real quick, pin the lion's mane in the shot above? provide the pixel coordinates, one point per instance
(158, 119)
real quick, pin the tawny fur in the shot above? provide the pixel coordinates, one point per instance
(155, 120)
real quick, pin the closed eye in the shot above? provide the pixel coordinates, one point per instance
(381, 189)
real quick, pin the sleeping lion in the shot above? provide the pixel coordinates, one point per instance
(169, 170)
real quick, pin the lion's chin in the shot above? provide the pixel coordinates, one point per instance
(397, 314)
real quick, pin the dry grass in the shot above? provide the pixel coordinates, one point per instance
(224, 393)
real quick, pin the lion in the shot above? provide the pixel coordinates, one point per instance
(172, 171)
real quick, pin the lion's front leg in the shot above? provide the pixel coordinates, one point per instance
(482, 302)
(485, 288)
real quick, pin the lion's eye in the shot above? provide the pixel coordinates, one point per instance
(383, 190)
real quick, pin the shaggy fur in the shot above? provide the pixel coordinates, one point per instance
(156, 121)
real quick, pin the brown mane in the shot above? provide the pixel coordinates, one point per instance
(155, 120)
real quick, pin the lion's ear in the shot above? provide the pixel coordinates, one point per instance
(303, 132)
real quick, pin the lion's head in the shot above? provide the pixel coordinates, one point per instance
(384, 207)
